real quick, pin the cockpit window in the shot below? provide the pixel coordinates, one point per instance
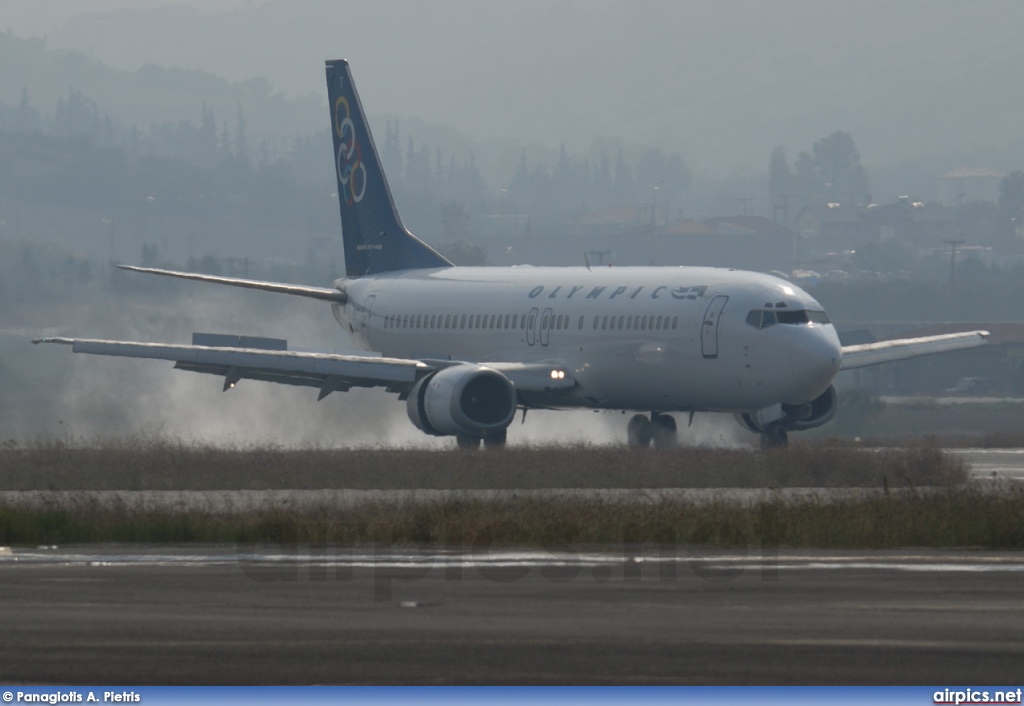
(763, 318)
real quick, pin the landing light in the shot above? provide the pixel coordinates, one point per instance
(557, 374)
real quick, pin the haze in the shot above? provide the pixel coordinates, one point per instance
(723, 83)
(193, 135)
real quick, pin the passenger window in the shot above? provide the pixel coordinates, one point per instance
(604, 323)
(544, 321)
(675, 322)
(581, 322)
(462, 324)
(596, 320)
(659, 324)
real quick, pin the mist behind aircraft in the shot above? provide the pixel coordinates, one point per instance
(927, 84)
(723, 83)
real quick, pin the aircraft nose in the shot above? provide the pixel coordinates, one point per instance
(815, 355)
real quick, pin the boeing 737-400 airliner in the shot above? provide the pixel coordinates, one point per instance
(465, 347)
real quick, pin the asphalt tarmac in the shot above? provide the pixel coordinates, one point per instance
(260, 615)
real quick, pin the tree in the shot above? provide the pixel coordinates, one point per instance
(625, 186)
(391, 150)
(837, 169)
(241, 141)
(780, 178)
(830, 173)
(1011, 200)
(454, 220)
(27, 117)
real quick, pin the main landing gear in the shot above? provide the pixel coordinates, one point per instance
(659, 429)
(774, 437)
(495, 441)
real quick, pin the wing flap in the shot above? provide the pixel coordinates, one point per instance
(290, 367)
(861, 356)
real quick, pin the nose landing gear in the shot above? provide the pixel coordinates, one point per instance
(658, 428)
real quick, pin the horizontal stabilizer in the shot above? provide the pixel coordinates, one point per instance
(861, 356)
(323, 293)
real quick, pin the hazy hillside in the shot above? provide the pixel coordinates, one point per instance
(723, 83)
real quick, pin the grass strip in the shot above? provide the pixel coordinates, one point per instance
(162, 464)
(975, 515)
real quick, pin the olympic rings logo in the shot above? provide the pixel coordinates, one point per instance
(351, 170)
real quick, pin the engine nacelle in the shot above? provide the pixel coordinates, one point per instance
(790, 417)
(464, 400)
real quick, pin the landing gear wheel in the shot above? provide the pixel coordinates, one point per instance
(468, 443)
(639, 431)
(495, 441)
(663, 431)
(774, 438)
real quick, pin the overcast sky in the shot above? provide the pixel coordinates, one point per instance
(723, 82)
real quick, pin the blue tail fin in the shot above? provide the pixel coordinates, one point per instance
(375, 239)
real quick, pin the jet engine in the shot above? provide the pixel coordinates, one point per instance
(463, 400)
(792, 417)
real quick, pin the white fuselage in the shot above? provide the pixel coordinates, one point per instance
(646, 338)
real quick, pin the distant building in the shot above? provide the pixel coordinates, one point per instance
(831, 223)
(635, 236)
(913, 223)
(616, 221)
(829, 228)
(746, 225)
(969, 184)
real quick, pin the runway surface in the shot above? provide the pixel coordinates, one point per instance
(263, 615)
(287, 615)
(1007, 464)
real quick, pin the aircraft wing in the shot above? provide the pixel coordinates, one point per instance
(238, 358)
(866, 354)
(323, 293)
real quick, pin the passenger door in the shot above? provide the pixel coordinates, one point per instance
(709, 330)
(531, 324)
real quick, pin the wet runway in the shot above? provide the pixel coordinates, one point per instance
(158, 615)
(602, 615)
(1007, 464)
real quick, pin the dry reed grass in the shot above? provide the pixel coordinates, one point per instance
(973, 515)
(905, 513)
(168, 464)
